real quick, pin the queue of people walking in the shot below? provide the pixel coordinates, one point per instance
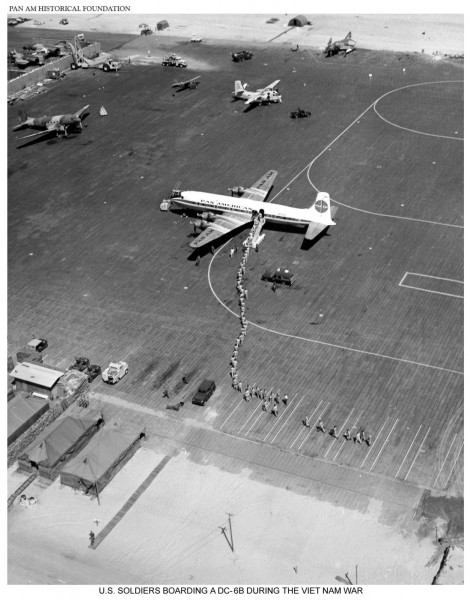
(270, 402)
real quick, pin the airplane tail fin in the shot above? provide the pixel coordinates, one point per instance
(239, 88)
(349, 36)
(23, 117)
(321, 213)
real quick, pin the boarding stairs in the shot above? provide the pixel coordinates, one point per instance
(257, 238)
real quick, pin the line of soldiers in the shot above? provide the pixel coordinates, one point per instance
(358, 438)
(242, 297)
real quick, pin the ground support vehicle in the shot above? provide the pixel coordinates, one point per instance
(146, 31)
(204, 392)
(174, 61)
(105, 64)
(282, 276)
(115, 372)
(242, 55)
(299, 114)
(196, 39)
(37, 344)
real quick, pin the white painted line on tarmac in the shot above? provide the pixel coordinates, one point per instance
(386, 440)
(341, 429)
(256, 408)
(310, 429)
(285, 422)
(254, 423)
(455, 462)
(370, 448)
(444, 461)
(344, 440)
(300, 430)
(231, 413)
(416, 456)
(408, 451)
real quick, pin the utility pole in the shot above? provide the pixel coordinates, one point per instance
(231, 534)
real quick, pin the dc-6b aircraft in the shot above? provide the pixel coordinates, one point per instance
(345, 45)
(191, 84)
(222, 214)
(262, 96)
(58, 124)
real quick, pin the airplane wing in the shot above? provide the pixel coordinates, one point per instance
(221, 225)
(179, 84)
(45, 132)
(271, 86)
(80, 112)
(260, 189)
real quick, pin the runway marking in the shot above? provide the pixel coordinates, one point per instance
(344, 440)
(370, 448)
(309, 165)
(253, 424)
(447, 137)
(444, 461)
(341, 429)
(285, 422)
(419, 450)
(231, 413)
(300, 430)
(274, 425)
(422, 289)
(408, 451)
(455, 462)
(386, 440)
(249, 416)
(310, 429)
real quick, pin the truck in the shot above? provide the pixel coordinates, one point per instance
(102, 62)
(115, 372)
(174, 61)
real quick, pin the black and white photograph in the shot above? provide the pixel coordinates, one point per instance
(234, 298)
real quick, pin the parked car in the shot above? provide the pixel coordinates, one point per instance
(242, 55)
(37, 344)
(283, 276)
(204, 392)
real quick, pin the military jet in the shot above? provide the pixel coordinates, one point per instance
(58, 124)
(191, 84)
(262, 96)
(345, 45)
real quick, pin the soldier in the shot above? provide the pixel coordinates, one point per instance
(369, 440)
(357, 438)
(320, 426)
(334, 432)
(347, 435)
(275, 410)
(92, 538)
(306, 422)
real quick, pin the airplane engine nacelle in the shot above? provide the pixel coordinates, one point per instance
(200, 224)
(206, 216)
(237, 190)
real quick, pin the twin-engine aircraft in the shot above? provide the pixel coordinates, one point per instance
(262, 96)
(58, 124)
(223, 214)
(191, 84)
(345, 45)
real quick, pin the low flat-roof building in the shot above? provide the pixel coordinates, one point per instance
(36, 379)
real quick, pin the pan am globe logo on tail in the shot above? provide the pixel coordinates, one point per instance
(322, 202)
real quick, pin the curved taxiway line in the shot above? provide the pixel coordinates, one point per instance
(307, 168)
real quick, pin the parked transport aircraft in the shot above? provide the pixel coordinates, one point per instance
(219, 214)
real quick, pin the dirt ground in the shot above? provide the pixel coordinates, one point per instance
(406, 33)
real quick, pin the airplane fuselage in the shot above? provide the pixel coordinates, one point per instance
(277, 213)
(53, 122)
